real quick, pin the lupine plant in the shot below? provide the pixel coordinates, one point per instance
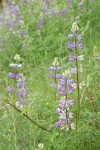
(33, 116)
(74, 46)
(17, 90)
(65, 87)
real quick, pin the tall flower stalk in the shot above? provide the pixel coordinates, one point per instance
(65, 87)
(19, 88)
(74, 46)
(14, 76)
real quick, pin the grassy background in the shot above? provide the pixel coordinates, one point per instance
(42, 46)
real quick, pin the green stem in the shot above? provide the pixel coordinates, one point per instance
(15, 135)
(55, 81)
(66, 98)
(77, 78)
(14, 115)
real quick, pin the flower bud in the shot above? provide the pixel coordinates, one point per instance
(40, 146)
(74, 28)
(55, 63)
(17, 57)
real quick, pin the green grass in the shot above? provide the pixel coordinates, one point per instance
(42, 46)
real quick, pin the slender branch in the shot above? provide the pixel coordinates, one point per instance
(25, 115)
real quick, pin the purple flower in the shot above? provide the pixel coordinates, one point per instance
(71, 102)
(62, 116)
(22, 92)
(51, 75)
(69, 82)
(58, 111)
(62, 91)
(71, 46)
(22, 99)
(70, 89)
(9, 89)
(23, 34)
(51, 68)
(58, 124)
(79, 37)
(73, 71)
(63, 12)
(18, 76)
(70, 36)
(54, 68)
(58, 76)
(40, 27)
(21, 84)
(40, 24)
(8, 23)
(11, 75)
(62, 82)
(62, 103)
(80, 45)
(71, 115)
(58, 68)
(72, 58)
(81, 6)
(53, 85)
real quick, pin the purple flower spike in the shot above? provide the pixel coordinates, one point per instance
(11, 75)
